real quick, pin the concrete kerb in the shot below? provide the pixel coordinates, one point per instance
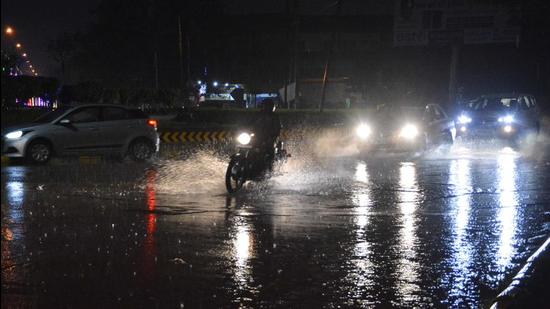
(526, 286)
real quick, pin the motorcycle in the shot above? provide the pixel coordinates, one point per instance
(251, 163)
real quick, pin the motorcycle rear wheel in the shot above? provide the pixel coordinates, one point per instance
(234, 176)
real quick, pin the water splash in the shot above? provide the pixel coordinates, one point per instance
(202, 173)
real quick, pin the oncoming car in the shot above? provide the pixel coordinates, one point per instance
(405, 129)
(504, 116)
(87, 129)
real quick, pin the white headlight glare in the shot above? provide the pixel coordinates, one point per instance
(244, 138)
(409, 131)
(463, 119)
(363, 131)
(14, 135)
(506, 119)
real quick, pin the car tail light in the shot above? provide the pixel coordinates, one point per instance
(152, 123)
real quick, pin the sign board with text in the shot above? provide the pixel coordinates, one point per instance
(441, 22)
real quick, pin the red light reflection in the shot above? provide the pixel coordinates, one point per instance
(149, 245)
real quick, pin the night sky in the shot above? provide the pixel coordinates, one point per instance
(37, 22)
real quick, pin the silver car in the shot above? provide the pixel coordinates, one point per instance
(87, 129)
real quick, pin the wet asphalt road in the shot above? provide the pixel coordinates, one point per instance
(438, 231)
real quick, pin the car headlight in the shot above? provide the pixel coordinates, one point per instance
(14, 134)
(363, 131)
(463, 119)
(506, 119)
(409, 131)
(244, 138)
(508, 128)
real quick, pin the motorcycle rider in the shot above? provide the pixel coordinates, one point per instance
(267, 128)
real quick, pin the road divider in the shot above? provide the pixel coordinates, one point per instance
(173, 137)
(177, 137)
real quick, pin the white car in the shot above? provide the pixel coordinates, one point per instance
(87, 129)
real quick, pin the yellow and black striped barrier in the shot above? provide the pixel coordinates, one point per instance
(175, 137)
(172, 137)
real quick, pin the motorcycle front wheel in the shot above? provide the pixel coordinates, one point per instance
(235, 176)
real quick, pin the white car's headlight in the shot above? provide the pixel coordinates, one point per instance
(463, 119)
(409, 131)
(14, 135)
(506, 119)
(244, 138)
(363, 131)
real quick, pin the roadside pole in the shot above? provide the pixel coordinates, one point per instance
(180, 52)
(324, 88)
(453, 75)
(156, 63)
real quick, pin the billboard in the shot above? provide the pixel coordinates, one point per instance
(441, 22)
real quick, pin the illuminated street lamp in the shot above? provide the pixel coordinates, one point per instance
(24, 55)
(18, 45)
(30, 66)
(9, 30)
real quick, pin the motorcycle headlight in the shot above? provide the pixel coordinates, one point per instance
(409, 131)
(244, 138)
(463, 119)
(363, 131)
(508, 128)
(14, 135)
(506, 119)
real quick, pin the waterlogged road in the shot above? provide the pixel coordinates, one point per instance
(437, 231)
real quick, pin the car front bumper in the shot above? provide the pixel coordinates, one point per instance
(488, 131)
(14, 148)
(394, 144)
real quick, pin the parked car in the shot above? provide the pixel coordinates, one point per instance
(506, 116)
(87, 129)
(405, 129)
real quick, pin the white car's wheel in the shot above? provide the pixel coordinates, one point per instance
(141, 150)
(39, 152)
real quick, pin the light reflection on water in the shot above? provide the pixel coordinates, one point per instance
(407, 266)
(361, 275)
(15, 193)
(13, 226)
(506, 216)
(241, 252)
(149, 256)
(461, 284)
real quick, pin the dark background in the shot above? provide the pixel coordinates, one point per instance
(264, 44)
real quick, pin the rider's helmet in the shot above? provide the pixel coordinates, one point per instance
(268, 105)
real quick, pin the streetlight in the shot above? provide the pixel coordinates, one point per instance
(9, 30)
(24, 55)
(18, 45)
(215, 84)
(30, 66)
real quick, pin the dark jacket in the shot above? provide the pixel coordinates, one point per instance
(267, 128)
